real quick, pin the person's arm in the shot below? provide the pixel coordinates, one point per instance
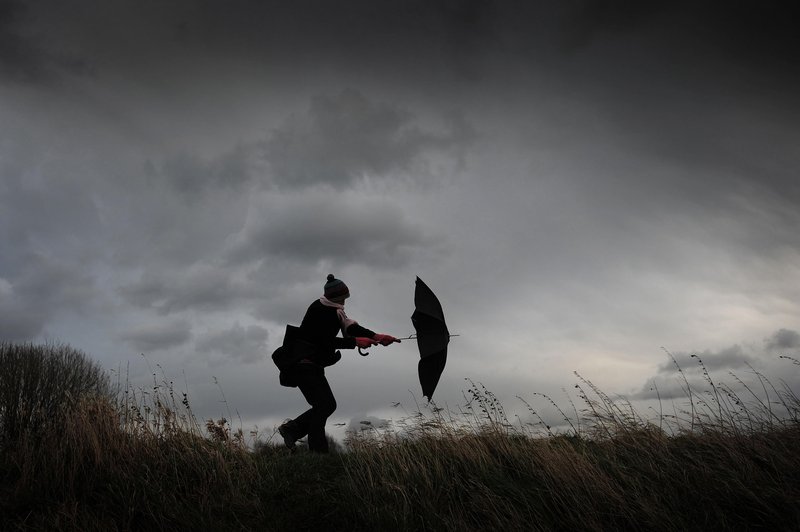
(355, 330)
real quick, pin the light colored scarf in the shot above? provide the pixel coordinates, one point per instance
(344, 321)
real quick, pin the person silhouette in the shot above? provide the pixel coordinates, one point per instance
(320, 327)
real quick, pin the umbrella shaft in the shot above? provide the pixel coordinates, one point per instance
(416, 337)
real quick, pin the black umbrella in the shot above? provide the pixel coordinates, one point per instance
(432, 337)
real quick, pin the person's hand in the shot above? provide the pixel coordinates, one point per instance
(385, 339)
(363, 342)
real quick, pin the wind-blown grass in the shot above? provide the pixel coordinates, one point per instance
(142, 461)
(724, 466)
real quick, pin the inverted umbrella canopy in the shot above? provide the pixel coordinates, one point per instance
(432, 337)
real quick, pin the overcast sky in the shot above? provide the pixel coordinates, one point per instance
(582, 183)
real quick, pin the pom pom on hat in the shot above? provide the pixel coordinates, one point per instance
(336, 290)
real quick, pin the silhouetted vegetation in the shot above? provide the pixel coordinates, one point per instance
(142, 461)
(39, 383)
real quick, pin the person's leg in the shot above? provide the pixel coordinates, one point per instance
(294, 429)
(318, 393)
(289, 431)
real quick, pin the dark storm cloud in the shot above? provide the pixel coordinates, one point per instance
(783, 339)
(348, 228)
(192, 174)
(20, 58)
(385, 36)
(400, 36)
(198, 288)
(669, 382)
(42, 201)
(732, 357)
(341, 139)
(157, 336)
(640, 149)
(762, 34)
(711, 85)
(19, 324)
(396, 38)
(242, 344)
(24, 52)
(38, 291)
(587, 21)
(46, 228)
(391, 37)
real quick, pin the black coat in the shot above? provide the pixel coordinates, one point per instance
(321, 327)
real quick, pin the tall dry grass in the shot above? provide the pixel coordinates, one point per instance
(38, 383)
(143, 461)
(724, 461)
(132, 460)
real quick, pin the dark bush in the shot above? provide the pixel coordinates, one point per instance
(37, 382)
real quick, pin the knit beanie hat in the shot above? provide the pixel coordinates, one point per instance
(336, 290)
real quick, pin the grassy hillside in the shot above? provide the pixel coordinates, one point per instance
(133, 462)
